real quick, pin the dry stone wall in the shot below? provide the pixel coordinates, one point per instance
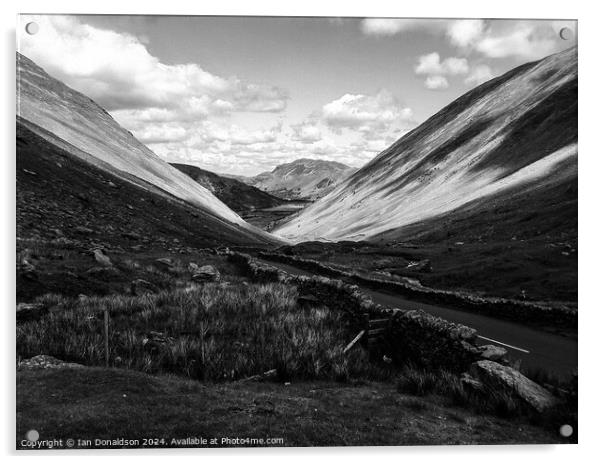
(504, 308)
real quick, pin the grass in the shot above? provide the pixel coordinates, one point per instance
(246, 330)
(109, 403)
(423, 384)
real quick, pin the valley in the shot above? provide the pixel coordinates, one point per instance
(148, 302)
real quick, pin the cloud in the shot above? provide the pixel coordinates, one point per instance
(117, 70)
(392, 26)
(432, 64)
(479, 74)
(524, 39)
(365, 113)
(306, 132)
(464, 32)
(161, 133)
(436, 83)
(519, 39)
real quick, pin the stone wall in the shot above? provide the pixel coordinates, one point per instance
(411, 336)
(503, 308)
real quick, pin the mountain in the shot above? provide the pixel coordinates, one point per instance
(73, 122)
(302, 179)
(503, 147)
(234, 193)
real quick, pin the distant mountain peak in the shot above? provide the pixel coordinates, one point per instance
(303, 178)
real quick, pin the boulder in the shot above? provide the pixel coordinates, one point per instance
(142, 287)
(503, 377)
(471, 383)
(423, 265)
(27, 270)
(101, 258)
(207, 273)
(493, 353)
(83, 230)
(164, 264)
(43, 361)
(30, 311)
(193, 267)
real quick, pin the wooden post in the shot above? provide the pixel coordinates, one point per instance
(107, 337)
(203, 344)
(354, 341)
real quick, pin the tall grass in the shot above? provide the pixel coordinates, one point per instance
(246, 330)
(420, 382)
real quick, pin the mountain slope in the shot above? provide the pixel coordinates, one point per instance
(513, 132)
(93, 135)
(234, 193)
(302, 179)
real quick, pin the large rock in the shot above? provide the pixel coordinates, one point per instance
(493, 353)
(423, 265)
(43, 361)
(164, 264)
(101, 258)
(30, 311)
(207, 273)
(497, 376)
(142, 287)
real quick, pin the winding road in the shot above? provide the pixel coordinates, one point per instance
(536, 349)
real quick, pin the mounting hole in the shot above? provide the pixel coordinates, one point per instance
(32, 435)
(32, 28)
(566, 430)
(566, 33)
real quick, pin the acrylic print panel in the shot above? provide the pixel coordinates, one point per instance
(275, 232)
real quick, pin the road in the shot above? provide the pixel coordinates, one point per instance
(534, 348)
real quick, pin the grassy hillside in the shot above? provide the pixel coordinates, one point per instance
(234, 193)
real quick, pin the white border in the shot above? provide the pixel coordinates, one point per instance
(589, 198)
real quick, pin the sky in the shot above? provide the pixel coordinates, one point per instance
(240, 95)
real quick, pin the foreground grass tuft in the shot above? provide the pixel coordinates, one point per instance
(211, 332)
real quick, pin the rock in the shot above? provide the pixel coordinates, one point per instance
(471, 383)
(506, 378)
(207, 273)
(142, 287)
(101, 258)
(83, 230)
(131, 235)
(193, 267)
(43, 361)
(30, 311)
(493, 352)
(423, 265)
(27, 270)
(164, 264)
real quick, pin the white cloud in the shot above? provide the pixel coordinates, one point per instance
(479, 74)
(117, 70)
(392, 26)
(432, 64)
(525, 39)
(365, 113)
(464, 32)
(161, 133)
(306, 132)
(520, 39)
(436, 83)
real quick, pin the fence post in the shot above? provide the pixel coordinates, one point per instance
(107, 337)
